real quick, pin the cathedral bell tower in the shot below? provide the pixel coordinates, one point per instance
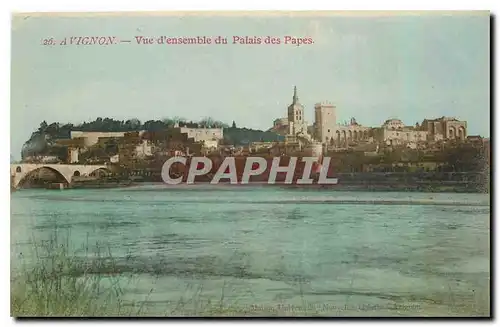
(296, 115)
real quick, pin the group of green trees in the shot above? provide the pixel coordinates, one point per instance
(243, 136)
(58, 130)
(466, 157)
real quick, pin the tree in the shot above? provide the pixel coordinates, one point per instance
(219, 124)
(43, 126)
(169, 122)
(178, 119)
(465, 158)
(206, 122)
(52, 130)
(135, 123)
(234, 125)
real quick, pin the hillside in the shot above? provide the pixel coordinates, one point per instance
(42, 140)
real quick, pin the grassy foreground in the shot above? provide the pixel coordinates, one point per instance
(57, 283)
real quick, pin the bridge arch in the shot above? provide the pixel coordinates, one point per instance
(29, 174)
(99, 171)
(20, 171)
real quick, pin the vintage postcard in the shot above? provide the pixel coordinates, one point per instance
(250, 164)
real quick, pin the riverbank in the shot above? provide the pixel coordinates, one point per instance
(436, 187)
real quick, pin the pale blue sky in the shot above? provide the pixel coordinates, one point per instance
(411, 67)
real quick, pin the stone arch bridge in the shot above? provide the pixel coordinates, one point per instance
(22, 170)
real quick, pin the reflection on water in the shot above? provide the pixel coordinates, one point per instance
(270, 246)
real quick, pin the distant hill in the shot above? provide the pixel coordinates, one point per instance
(42, 140)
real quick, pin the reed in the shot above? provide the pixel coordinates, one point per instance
(56, 282)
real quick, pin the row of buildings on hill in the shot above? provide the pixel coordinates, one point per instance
(122, 147)
(323, 136)
(393, 132)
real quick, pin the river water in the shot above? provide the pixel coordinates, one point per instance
(273, 250)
